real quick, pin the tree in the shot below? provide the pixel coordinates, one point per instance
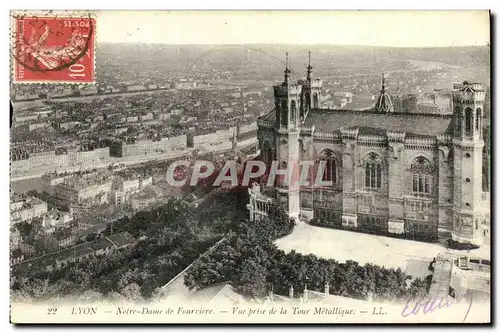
(219, 266)
(79, 276)
(21, 296)
(37, 287)
(115, 297)
(251, 279)
(417, 289)
(24, 228)
(149, 286)
(131, 292)
(91, 237)
(159, 294)
(90, 296)
(126, 279)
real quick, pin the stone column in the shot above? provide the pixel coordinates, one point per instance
(349, 206)
(444, 183)
(396, 183)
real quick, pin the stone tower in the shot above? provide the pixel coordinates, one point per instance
(468, 108)
(287, 128)
(311, 92)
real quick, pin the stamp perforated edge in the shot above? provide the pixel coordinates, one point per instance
(50, 13)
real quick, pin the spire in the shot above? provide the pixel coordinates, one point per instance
(309, 68)
(384, 103)
(234, 141)
(287, 71)
(383, 91)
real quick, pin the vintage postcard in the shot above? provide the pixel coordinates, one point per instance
(250, 167)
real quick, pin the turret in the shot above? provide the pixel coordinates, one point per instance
(287, 102)
(287, 99)
(384, 103)
(468, 105)
(311, 91)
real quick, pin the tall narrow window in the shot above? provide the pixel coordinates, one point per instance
(468, 121)
(293, 113)
(373, 172)
(269, 156)
(302, 107)
(308, 101)
(284, 114)
(378, 173)
(460, 120)
(330, 172)
(478, 118)
(421, 170)
(315, 101)
(415, 184)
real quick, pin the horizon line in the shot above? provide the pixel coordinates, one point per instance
(487, 44)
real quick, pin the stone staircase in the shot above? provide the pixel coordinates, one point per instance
(441, 279)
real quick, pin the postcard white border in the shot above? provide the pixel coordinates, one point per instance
(190, 4)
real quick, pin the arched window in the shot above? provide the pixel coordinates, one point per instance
(468, 121)
(293, 113)
(421, 170)
(373, 172)
(315, 100)
(478, 118)
(284, 113)
(330, 172)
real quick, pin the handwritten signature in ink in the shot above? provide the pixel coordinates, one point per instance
(413, 307)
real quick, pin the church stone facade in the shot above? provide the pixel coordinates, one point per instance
(392, 172)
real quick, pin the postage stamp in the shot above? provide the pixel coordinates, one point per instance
(53, 49)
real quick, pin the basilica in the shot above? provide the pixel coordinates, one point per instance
(391, 172)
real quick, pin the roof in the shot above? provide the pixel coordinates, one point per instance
(270, 117)
(79, 252)
(85, 219)
(94, 229)
(370, 122)
(101, 244)
(121, 239)
(70, 252)
(216, 293)
(210, 292)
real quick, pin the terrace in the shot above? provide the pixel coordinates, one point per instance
(344, 245)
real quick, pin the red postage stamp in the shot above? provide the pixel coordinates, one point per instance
(55, 49)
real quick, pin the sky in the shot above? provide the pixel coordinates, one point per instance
(376, 28)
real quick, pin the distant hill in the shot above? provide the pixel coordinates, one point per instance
(259, 53)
